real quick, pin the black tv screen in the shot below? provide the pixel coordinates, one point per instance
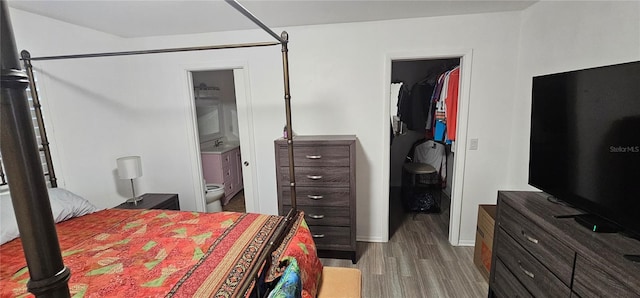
(585, 141)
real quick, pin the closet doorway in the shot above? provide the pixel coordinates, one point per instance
(418, 107)
(222, 128)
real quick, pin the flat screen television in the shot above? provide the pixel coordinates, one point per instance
(585, 142)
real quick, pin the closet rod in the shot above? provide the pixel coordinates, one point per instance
(156, 51)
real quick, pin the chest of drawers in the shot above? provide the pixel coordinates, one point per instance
(539, 252)
(325, 188)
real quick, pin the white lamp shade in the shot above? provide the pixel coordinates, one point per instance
(129, 167)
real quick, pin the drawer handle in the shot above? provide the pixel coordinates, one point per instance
(317, 235)
(315, 197)
(531, 239)
(316, 216)
(314, 177)
(527, 272)
(314, 156)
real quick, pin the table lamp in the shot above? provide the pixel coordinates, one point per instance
(130, 167)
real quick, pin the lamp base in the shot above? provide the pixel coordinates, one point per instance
(134, 200)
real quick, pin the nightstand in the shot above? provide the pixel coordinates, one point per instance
(168, 201)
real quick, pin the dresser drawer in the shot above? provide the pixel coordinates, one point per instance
(326, 237)
(544, 247)
(324, 216)
(591, 281)
(507, 285)
(318, 176)
(318, 196)
(529, 271)
(316, 156)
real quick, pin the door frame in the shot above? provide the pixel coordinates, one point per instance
(245, 127)
(457, 198)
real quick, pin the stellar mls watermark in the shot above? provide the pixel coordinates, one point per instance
(624, 149)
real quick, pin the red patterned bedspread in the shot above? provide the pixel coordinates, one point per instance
(126, 253)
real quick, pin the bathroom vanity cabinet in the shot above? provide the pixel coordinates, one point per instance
(223, 165)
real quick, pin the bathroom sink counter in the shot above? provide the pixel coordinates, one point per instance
(219, 149)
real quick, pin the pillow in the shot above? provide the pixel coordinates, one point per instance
(64, 205)
(289, 285)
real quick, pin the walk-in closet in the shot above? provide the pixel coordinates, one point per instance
(423, 116)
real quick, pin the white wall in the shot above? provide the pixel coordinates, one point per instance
(85, 113)
(337, 87)
(138, 105)
(563, 36)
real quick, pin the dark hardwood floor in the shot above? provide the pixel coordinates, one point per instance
(418, 260)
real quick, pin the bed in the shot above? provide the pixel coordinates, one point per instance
(151, 253)
(138, 253)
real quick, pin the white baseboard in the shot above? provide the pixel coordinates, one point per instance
(379, 239)
(370, 239)
(467, 243)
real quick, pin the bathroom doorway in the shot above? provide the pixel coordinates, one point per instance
(216, 110)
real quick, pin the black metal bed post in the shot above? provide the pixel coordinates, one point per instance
(287, 104)
(245, 12)
(284, 41)
(44, 140)
(158, 51)
(29, 195)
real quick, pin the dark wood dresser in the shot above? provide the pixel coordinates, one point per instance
(540, 252)
(325, 170)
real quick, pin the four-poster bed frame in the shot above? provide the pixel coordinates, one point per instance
(48, 274)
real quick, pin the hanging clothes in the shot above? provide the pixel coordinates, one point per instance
(430, 107)
(441, 109)
(420, 93)
(404, 104)
(445, 100)
(439, 131)
(393, 108)
(452, 102)
(433, 100)
(413, 105)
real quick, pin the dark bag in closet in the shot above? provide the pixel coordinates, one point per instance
(425, 202)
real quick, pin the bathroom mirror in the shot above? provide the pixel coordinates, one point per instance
(209, 120)
(208, 111)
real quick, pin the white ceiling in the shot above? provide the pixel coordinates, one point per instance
(140, 18)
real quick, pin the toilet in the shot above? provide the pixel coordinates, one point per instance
(213, 194)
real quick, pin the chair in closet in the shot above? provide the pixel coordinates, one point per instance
(423, 174)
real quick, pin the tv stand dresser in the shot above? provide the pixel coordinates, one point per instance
(540, 252)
